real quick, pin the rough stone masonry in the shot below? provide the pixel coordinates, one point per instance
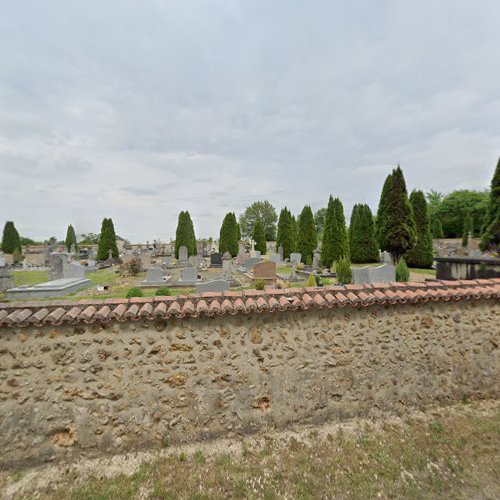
(96, 387)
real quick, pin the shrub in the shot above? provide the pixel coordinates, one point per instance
(163, 291)
(326, 281)
(134, 266)
(134, 292)
(311, 281)
(260, 284)
(300, 266)
(344, 274)
(402, 271)
(282, 284)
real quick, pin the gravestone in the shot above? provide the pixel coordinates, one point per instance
(265, 271)
(250, 263)
(216, 260)
(255, 254)
(183, 255)
(213, 286)
(2, 259)
(275, 258)
(369, 274)
(386, 257)
(242, 257)
(281, 252)
(316, 258)
(145, 260)
(73, 271)
(56, 265)
(167, 261)
(154, 277)
(226, 266)
(189, 276)
(6, 279)
(295, 257)
(194, 261)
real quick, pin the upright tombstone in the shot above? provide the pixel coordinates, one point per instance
(242, 257)
(73, 271)
(189, 276)
(250, 263)
(386, 257)
(226, 266)
(265, 271)
(255, 253)
(56, 265)
(154, 277)
(6, 279)
(183, 255)
(275, 258)
(216, 260)
(316, 258)
(295, 258)
(281, 252)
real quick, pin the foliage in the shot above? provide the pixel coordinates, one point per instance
(434, 200)
(134, 266)
(229, 235)
(163, 291)
(381, 225)
(29, 241)
(107, 240)
(490, 237)
(456, 205)
(344, 273)
(263, 211)
(319, 221)
(362, 241)
(17, 256)
(134, 292)
(184, 234)
(421, 255)
(335, 238)
(260, 284)
(311, 281)
(259, 237)
(286, 232)
(467, 231)
(307, 237)
(437, 228)
(402, 271)
(10, 239)
(70, 238)
(398, 232)
(89, 239)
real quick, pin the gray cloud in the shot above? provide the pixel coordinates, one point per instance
(140, 110)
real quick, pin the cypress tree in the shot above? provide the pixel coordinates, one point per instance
(295, 233)
(363, 243)
(11, 241)
(381, 226)
(351, 222)
(228, 240)
(184, 234)
(107, 240)
(341, 246)
(70, 238)
(421, 255)
(307, 237)
(399, 233)
(238, 228)
(259, 236)
(112, 239)
(192, 248)
(286, 230)
(468, 229)
(437, 228)
(490, 238)
(327, 255)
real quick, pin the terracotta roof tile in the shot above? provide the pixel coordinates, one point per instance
(59, 311)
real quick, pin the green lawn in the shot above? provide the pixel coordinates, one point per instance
(29, 277)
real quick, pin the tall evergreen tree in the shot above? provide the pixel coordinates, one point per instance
(286, 231)
(363, 243)
(184, 234)
(107, 240)
(468, 230)
(381, 226)
(327, 252)
(490, 237)
(421, 255)
(228, 239)
(11, 240)
(437, 228)
(307, 237)
(259, 236)
(70, 238)
(341, 247)
(399, 232)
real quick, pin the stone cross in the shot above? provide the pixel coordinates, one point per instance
(226, 266)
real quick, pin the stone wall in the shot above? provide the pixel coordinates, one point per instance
(106, 388)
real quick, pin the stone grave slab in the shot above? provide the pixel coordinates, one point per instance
(369, 274)
(213, 286)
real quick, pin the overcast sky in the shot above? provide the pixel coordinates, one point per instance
(136, 110)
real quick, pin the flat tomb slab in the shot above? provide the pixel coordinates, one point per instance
(55, 288)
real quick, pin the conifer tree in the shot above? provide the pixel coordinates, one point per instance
(398, 230)
(490, 237)
(184, 234)
(307, 237)
(286, 232)
(259, 236)
(437, 228)
(228, 239)
(363, 244)
(380, 229)
(340, 237)
(11, 241)
(107, 240)
(327, 255)
(468, 229)
(421, 255)
(70, 238)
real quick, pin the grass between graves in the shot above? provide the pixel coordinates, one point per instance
(29, 277)
(443, 456)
